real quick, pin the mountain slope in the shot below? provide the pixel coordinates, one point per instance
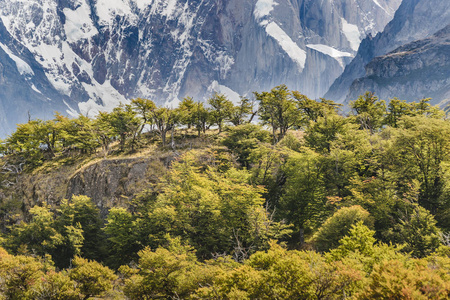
(414, 71)
(414, 19)
(24, 89)
(92, 54)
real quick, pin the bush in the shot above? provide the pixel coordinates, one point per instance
(338, 225)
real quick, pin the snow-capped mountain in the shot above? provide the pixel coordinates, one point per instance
(414, 20)
(83, 56)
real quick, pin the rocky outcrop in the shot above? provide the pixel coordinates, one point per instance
(89, 55)
(414, 71)
(114, 182)
(108, 182)
(414, 20)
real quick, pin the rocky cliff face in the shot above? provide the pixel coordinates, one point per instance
(414, 71)
(89, 55)
(108, 182)
(414, 20)
(112, 183)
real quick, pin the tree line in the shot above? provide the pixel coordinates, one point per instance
(41, 140)
(280, 109)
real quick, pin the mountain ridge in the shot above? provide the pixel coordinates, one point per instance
(413, 71)
(414, 20)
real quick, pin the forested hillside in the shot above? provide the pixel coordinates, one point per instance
(282, 197)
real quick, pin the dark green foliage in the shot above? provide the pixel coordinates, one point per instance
(124, 237)
(244, 139)
(417, 231)
(277, 109)
(221, 110)
(424, 145)
(75, 229)
(80, 210)
(45, 234)
(304, 199)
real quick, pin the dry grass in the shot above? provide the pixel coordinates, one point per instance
(299, 134)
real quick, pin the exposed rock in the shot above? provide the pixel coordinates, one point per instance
(113, 183)
(414, 20)
(109, 182)
(414, 71)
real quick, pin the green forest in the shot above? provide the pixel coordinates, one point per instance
(279, 197)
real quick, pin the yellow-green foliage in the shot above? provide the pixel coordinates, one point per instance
(357, 269)
(56, 286)
(217, 211)
(164, 273)
(18, 274)
(415, 280)
(338, 225)
(92, 279)
(367, 195)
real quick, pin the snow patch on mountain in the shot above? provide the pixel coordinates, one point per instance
(107, 10)
(263, 8)
(330, 51)
(215, 87)
(22, 66)
(143, 4)
(379, 5)
(35, 89)
(297, 54)
(103, 98)
(166, 8)
(262, 11)
(47, 54)
(171, 6)
(352, 34)
(79, 24)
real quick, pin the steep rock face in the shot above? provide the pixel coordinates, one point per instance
(112, 183)
(414, 19)
(304, 44)
(92, 54)
(414, 71)
(109, 182)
